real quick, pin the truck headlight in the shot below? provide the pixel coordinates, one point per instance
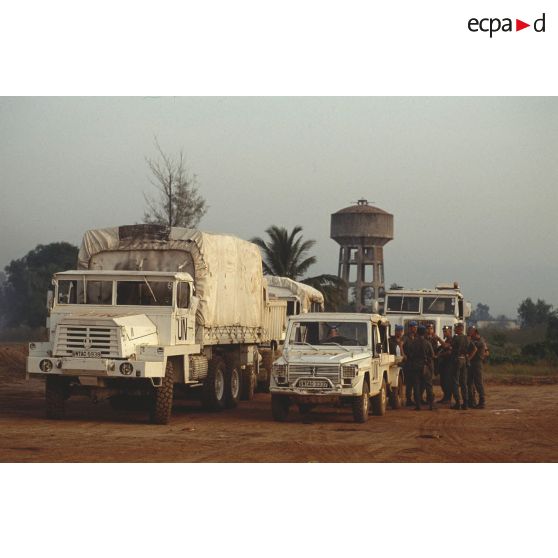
(349, 371)
(45, 365)
(126, 368)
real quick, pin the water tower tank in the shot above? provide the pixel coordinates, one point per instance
(362, 230)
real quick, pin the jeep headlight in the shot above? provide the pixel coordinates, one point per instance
(279, 369)
(349, 371)
(45, 365)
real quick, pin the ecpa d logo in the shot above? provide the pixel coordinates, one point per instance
(493, 25)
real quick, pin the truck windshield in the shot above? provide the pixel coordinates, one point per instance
(96, 292)
(144, 293)
(329, 334)
(438, 305)
(402, 304)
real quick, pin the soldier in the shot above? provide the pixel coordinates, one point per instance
(436, 343)
(419, 360)
(407, 372)
(444, 365)
(395, 344)
(461, 349)
(475, 369)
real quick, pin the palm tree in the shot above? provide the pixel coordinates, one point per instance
(286, 255)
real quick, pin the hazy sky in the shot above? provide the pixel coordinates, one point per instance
(471, 181)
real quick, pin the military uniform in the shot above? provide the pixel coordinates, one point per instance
(419, 355)
(445, 370)
(408, 372)
(475, 372)
(460, 348)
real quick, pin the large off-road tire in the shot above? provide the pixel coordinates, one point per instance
(397, 394)
(247, 383)
(161, 403)
(56, 393)
(361, 404)
(280, 407)
(213, 396)
(232, 385)
(379, 402)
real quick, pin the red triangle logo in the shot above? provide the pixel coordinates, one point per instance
(519, 25)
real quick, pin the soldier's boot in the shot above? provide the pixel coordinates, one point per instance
(480, 405)
(464, 406)
(409, 403)
(456, 406)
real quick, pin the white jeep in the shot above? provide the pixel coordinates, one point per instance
(336, 358)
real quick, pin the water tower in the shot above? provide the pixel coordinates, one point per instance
(362, 230)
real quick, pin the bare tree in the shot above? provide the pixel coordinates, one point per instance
(178, 203)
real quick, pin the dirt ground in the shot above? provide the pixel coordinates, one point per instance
(520, 424)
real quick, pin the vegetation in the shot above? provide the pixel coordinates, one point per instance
(178, 203)
(534, 313)
(23, 294)
(287, 255)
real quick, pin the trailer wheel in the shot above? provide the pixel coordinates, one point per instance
(213, 397)
(56, 393)
(161, 403)
(232, 386)
(361, 404)
(247, 384)
(379, 401)
(280, 407)
(397, 394)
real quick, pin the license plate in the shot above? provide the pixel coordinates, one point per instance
(313, 383)
(87, 354)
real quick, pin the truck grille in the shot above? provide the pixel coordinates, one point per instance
(89, 338)
(300, 371)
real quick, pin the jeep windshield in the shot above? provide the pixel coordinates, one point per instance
(328, 334)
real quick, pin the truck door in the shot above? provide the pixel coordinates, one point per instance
(185, 320)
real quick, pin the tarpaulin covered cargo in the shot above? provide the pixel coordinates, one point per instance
(283, 286)
(227, 271)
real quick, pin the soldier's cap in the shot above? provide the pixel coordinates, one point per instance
(421, 330)
(399, 327)
(412, 323)
(429, 325)
(459, 324)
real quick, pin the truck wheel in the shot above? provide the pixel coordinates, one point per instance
(232, 387)
(56, 393)
(280, 407)
(397, 394)
(161, 404)
(379, 401)
(213, 397)
(360, 404)
(247, 384)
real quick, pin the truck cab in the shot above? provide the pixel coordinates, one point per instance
(110, 327)
(336, 358)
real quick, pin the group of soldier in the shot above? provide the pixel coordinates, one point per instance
(457, 359)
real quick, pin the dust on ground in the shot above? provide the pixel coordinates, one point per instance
(520, 424)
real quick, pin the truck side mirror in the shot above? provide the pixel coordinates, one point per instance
(50, 300)
(379, 348)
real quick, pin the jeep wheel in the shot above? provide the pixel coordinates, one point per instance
(161, 402)
(247, 384)
(56, 393)
(397, 394)
(232, 386)
(379, 401)
(213, 397)
(360, 404)
(280, 407)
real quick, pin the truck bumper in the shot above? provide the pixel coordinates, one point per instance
(71, 366)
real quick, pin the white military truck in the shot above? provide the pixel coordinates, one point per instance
(155, 311)
(442, 306)
(336, 358)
